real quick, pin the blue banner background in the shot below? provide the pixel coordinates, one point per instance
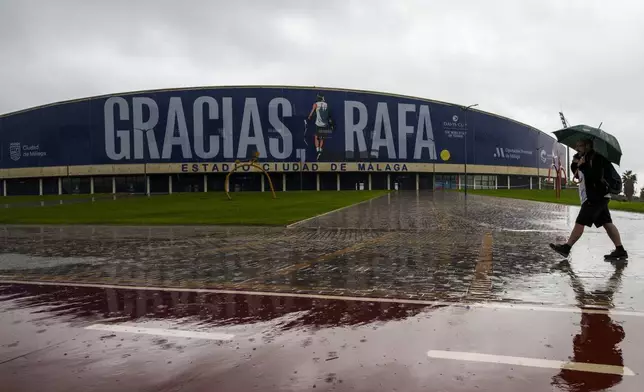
(76, 133)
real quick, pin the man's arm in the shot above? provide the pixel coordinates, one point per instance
(315, 105)
(575, 164)
(594, 169)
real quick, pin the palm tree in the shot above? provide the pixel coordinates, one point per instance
(629, 179)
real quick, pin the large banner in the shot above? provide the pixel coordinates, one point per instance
(280, 125)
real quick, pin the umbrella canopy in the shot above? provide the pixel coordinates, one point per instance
(603, 142)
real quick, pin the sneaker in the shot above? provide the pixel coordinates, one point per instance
(617, 254)
(562, 249)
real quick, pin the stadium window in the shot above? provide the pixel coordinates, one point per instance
(76, 185)
(50, 186)
(23, 187)
(102, 184)
(130, 184)
(470, 181)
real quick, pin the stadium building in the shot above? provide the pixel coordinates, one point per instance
(187, 140)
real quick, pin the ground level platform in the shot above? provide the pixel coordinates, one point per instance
(414, 291)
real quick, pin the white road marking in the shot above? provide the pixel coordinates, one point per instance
(531, 362)
(177, 333)
(485, 305)
(550, 231)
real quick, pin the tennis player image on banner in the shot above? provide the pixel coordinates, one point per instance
(320, 118)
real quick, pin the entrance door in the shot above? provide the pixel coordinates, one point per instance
(404, 181)
(446, 181)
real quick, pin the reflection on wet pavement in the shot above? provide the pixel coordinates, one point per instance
(353, 300)
(294, 343)
(84, 304)
(406, 245)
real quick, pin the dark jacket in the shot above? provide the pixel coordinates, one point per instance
(593, 170)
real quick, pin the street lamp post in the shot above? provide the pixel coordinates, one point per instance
(539, 166)
(466, 109)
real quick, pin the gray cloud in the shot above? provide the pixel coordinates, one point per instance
(521, 59)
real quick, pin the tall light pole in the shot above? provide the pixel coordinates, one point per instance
(466, 109)
(539, 166)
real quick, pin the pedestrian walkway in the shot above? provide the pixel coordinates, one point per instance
(410, 245)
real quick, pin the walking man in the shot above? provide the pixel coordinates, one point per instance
(590, 167)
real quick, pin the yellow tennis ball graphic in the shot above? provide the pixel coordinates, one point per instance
(445, 155)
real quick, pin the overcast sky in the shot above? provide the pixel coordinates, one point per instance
(521, 59)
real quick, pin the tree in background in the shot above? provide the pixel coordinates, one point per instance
(629, 179)
(642, 194)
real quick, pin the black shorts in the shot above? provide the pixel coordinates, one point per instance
(323, 132)
(594, 213)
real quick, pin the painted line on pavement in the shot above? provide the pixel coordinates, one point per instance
(294, 224)
(550, 231)
(531, 362)
(481, 285)
(488, 305)
(176, 333)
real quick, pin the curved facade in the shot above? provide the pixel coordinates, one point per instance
(306, 138)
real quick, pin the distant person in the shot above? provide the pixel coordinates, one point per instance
(323, 122)
(589, 167)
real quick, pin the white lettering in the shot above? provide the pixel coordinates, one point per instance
(228, 128)
(251, 116)
(198, 120)
(382, 119)
(351, 128)
(141, 127)
(424, 134)
(403, 128)
(278, 125)
(122, 135)
(176, 120)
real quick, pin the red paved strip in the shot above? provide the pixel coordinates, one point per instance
(289, 343)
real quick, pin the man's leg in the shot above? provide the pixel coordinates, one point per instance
(576, 234)
(613, 234)
(585, 218)
(606, 221)
(619, 253)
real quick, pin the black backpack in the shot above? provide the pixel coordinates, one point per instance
(612, 178)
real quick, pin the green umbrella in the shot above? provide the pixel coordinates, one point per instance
(603, 142)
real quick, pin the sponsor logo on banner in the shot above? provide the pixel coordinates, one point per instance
(17, 150)
(14, 151)
(510, 153)
(544, 156)
(455, 129)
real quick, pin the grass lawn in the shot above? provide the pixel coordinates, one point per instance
(246, 208)
(568, 196)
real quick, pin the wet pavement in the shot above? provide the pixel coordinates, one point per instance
(405, 292)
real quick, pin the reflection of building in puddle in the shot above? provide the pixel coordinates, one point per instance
(597, 342)
(208, 308)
